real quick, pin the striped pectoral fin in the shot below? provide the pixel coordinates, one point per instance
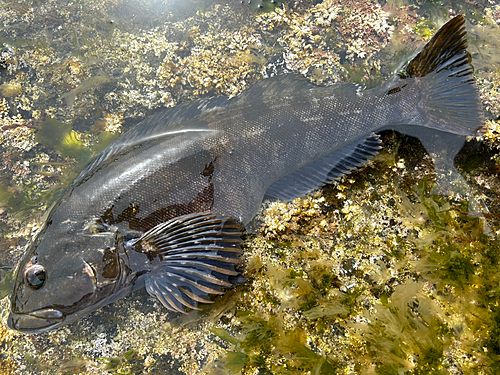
(194, 256)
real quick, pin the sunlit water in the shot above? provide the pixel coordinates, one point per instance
(383, 272)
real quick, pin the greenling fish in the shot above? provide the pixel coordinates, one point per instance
(163, 206)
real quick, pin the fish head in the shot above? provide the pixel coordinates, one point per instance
(65, 274)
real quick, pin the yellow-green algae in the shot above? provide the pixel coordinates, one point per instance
(492, 138)
(371, 275)
(7, 365)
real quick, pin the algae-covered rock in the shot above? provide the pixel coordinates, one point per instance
(373, 274)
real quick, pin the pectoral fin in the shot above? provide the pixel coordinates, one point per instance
(193, 256)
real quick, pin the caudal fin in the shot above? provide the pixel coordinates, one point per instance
(451, 100)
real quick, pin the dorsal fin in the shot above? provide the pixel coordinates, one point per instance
(326, 169)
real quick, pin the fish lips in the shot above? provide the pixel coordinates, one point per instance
(35, 321)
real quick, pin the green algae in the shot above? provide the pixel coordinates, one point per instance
(367, 74)
(65, 140)
(262, 338)
(235, 361)
(60, 136)
(408, 331)
(223, 334)
(24, 201)
(128, 364)
(7, 197)
(425, 28)
(73, 366)
(6, 282)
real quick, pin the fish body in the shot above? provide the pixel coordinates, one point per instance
(162, 206)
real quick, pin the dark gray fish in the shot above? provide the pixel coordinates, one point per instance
(162, 206)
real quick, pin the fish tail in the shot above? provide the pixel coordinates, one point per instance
(450, 98)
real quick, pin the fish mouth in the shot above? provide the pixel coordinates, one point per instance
(35, 321)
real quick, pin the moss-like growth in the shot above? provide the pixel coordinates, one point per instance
(6, 282)
(372, 274)
(128, 364)
(425, 28)
(53, 133)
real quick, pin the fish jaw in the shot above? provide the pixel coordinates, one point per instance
(36, 321)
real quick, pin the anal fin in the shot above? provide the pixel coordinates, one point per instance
(326, 169)
(193, 256)
(443, 148)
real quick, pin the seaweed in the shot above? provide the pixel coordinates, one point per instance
(265, 337)
(367, 74)
(61, 136)
(128, 363)
(68, 143)
(235, 361)
(6, 282)
(423, 297)
(425, 28)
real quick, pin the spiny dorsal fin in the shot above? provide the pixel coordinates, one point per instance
(194, 256)
(326, 169)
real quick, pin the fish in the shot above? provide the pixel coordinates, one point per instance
(90, 83)
(164, 207)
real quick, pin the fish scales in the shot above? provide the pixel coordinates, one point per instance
(162, 206)
(279, 148)
(301, 130)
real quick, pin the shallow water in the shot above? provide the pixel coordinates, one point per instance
(383, 272)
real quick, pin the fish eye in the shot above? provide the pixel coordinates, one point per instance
(35, 276)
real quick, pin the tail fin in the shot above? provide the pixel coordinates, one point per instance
(451, 100)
